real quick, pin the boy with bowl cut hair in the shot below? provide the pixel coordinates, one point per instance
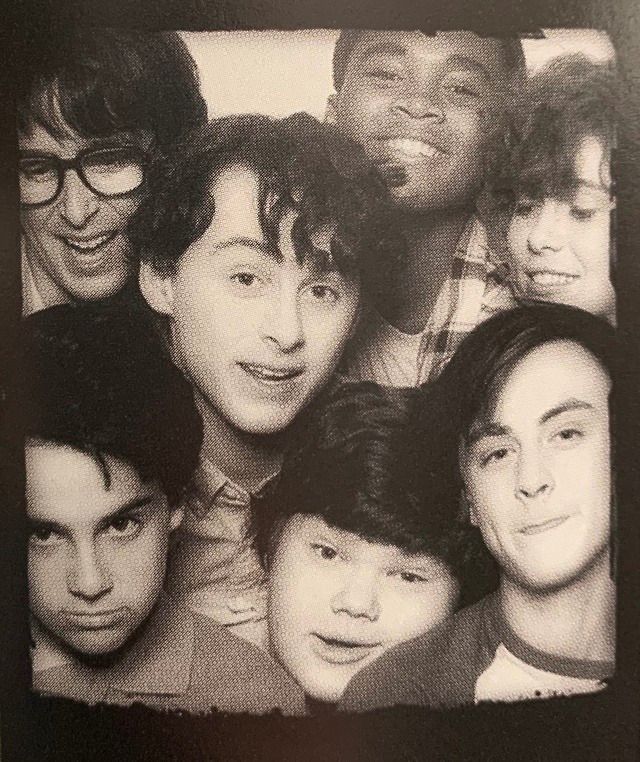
(424, 108)
(253, 244)
(113, 437)
(360, 549)
(529, 437)
(91, 112)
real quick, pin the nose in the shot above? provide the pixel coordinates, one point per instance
(357, 597)
(415, 101)
(87, 577)
(546, 233)
(534, 479)
(78, 204)
(283, 322)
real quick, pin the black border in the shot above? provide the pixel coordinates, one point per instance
(598, 727)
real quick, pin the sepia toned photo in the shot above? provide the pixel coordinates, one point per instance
(319, 336)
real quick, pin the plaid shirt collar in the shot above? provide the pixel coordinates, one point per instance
(475, 289)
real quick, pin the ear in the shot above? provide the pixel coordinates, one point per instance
(157, 289)
(330, 113)
(177, 514)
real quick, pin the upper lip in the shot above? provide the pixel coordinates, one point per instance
(87, 238)
(542, 523)
(436, 141)
(277, 370)
(346, 642)
(551, 271)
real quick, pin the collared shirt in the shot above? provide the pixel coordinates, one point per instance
(181, 661)
(472, 657)
(473, 292)
(214, 567)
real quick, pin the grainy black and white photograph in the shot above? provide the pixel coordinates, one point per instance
(319, 337)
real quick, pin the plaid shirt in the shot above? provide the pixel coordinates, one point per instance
(476, 289)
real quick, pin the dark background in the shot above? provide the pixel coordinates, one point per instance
(599, 727)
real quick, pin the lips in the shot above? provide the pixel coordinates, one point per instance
(543, 526)
(272, 375)
(95, 620)
(339, 651)
(410, 150)
(551, 279)
(88, 244)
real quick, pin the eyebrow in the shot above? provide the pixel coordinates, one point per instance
(259, 247)
(133, 505)
(469, 63)
(494, 429)
(382, 49)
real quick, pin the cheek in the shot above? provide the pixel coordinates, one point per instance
(517, 236)
(410, 615)
(140, 565)
(46, 573)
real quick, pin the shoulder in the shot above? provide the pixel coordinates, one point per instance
(435, 669)
(237, 676)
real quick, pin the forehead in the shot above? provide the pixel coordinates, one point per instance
(431, 51)
(549, 375)
(302, 528)
(592, 165)
(68, 486)
(236, 195)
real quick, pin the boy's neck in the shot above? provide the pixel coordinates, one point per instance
(246, 459)
(576, 622)
(431, 239)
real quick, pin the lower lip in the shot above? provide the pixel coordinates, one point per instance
(101, 621)
(546, 527)
(340, 654)
(550, 288)
(268, 381)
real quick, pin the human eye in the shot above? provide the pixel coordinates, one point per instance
(37, 168)
(582, 214)
(497, 454)
(322, 293)
(412, 577)
(568, 436)
(326, 552)
(524, 207)
(383, 72)
(44, 535)
(463, 88)
(123, 526)
(244, 279)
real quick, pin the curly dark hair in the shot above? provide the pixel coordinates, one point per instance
(99, 380)
(571, 98)
(102, 81)
(349, 38)
(302, 165)
(359, 466)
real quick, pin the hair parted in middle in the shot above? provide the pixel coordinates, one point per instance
(358, 465)
(301, 165)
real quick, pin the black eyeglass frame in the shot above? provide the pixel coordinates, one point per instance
(62, 166)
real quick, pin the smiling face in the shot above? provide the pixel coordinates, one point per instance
(538, 474)
(97, 555)
(336, 602)
(422, 108)
(258, 333)
(560, 247)
(75, 245)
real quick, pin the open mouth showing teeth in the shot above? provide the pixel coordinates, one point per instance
(413, 149)
(271, 375)
(89, 245)
(551, 279)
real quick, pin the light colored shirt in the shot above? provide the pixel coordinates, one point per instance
(473, 292)
(214, 567)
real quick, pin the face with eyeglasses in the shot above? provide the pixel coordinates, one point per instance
(537, 471)
(77, 195)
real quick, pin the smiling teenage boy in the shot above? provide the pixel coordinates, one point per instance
(252, 248)
(92, 111)
(424, 108)
(534, 462)
(113, 437)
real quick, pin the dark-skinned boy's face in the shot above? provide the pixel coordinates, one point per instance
(423, 108)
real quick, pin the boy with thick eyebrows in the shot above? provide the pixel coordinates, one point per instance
(92, 111)
(424, 107)
(113, 437)
(529, 441)
(253, 244)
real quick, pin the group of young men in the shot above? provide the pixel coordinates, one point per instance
(216, 519)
